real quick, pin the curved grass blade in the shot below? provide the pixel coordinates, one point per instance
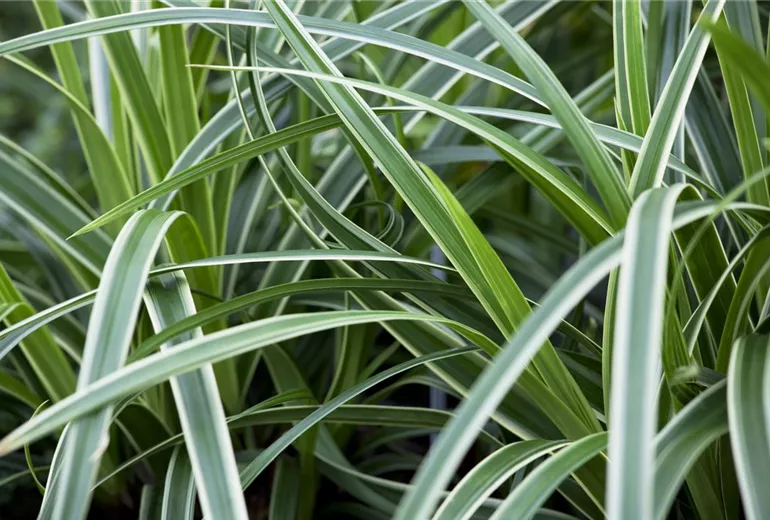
(255, 467)
(179, 488)
(12, 386)
(747, 411)
(534, 490)
(636, 352)
(561, 189)
(229, 118)
(51, 213)
(738, 320)
(649, 168)
(745, 58)
(49, 498)
(603, 172)
(711, 137)
(12, 335)
(283, 290)
(195, 353)
(109, 335)
(490, 474)
(364, 33)
(679, 444)
(199, 407)
(286, 397)
(446, 454)
(47, 360)
(28, 456)
(51, 176)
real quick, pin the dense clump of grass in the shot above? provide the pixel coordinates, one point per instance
(350, 259)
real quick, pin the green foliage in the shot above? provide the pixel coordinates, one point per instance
(296, 259)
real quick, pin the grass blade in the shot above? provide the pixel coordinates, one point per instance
(44, 355)
(680, 443)
(255, 467)
(199, 407)
(649, 168)
(535, 489)
(110, 179)
(179, 488)
(193, 354)
(490, 474)
(112, 320)
(136, 92)
(605, 175)
(636, 352)
(747, 414)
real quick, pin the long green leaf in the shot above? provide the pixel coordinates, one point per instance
(747, 414)
(107, 173)
(258, 465)
(193, 354)
(631, 89)
(605, 175)
(40, 349)
(109, 335)
(535, 489)
(490, 474)
(198, 404)
(179, 488)
(136, 91)
(649, 168)
(679, 444)
(491, 387)
(636, 350)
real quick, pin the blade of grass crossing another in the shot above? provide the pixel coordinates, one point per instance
(631, 89)
(200, 410)
(566, 194)
(491, 387)
(490, 474)
(482, 269)
(179, 488)
(255, 467)
(107, 341)
(527, 498)
(49, 498)
(547, 361)
(197, 352)
(605, 175)
(489, 390)
(650, 165)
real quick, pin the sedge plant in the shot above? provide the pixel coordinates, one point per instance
(434, 259)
